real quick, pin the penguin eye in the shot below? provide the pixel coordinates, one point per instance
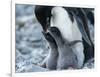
(55, 31)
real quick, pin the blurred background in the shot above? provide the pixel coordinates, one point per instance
(31, 46)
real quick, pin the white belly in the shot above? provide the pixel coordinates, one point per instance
(61, 20)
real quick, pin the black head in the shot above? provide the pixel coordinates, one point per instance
(43, 15)
(55, 31)
(49, 37)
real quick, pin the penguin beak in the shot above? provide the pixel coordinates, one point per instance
(44, 33)
(49, 30)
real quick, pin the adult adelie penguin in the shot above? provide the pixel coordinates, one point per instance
(69, 31)
(43, 15)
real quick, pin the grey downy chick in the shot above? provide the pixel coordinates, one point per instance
(51, 60)
(66, 57)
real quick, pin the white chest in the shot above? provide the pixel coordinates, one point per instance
(61, 20)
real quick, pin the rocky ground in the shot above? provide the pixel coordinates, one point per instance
(31, 46)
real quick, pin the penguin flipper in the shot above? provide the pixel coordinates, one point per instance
(82, 30)
(82, 24)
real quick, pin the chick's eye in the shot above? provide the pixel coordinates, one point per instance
(55, 30)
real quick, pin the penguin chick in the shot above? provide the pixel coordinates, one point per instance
(66, 57)
(51, 61)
